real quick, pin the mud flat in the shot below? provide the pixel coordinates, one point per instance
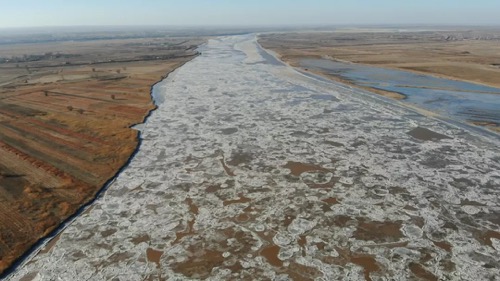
(66, 109)
(250, 170)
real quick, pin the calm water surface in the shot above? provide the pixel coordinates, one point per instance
(457, 99)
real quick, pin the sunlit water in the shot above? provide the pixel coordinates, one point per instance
(457, 99)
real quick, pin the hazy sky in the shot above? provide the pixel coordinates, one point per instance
(16, 13)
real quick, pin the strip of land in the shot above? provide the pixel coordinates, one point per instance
(66, 111)
(465, 55)
(472, 56)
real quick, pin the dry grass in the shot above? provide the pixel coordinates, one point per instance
(462, 55)
(65, 126)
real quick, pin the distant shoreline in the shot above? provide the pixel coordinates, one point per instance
(471, 56)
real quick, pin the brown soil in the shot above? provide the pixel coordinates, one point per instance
(141, 239)
(378, 231)
(297, 168)
(271, 254)
(492, 126)
(368, 263)
(229, 172)
(154, 256)
(304, 273)
(331, 201)
(426, 134)
(65, 127)
(422, 273)
(51, 244)
(443, 245)
(486, 237)
(189, 231)
(192, 207)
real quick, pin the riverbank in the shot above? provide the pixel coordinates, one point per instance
(470, 108)
(65, 128)
(418, 53)
(463, 55)
(252, 170)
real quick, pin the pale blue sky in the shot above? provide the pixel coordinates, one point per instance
(15, 13)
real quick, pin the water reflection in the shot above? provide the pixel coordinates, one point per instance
(458, 99)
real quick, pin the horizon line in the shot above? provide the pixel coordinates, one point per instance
(310, 25)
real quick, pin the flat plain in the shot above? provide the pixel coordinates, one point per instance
(470, 55)
(66, 111)
(251, 170)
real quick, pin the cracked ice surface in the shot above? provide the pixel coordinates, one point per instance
(250, 170)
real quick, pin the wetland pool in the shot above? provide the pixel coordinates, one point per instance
(456, 99)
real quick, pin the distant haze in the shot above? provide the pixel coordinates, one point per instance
(30, 13)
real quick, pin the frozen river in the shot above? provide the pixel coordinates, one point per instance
(249, 170)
